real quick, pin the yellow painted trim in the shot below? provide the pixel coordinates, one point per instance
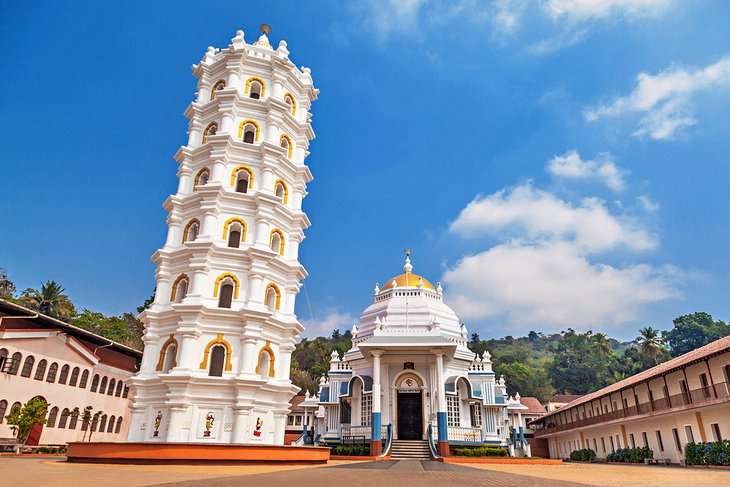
(219, 83)
(235, 219)
(281, 239)
(273, 286)
(701, 426)
(206, 132)
(242, 126)
(272, 361)
(278, 182)
(247, 88)
(173, 293)
(187, 229)
(290, 145)
(234, 176)
(198, 176)
(217, 341)
(163, 352)
(293, 102)
(219, 279)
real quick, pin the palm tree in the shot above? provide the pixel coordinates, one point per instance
(650, 343)
(50, 300)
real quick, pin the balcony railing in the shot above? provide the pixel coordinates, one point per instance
(465, 434)
(362, 432)
(718, 393)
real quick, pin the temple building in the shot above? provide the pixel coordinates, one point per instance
(220, 333)
(409, 375)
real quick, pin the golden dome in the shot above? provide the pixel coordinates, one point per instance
(409, 279)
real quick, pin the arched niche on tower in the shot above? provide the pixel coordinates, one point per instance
(266, 362)
(168, 355)
(218, 340)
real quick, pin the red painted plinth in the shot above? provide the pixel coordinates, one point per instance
(109, 452)
(443, 448)
(376, 448)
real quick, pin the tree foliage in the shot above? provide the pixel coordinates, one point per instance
(50, 300)
(125, 328)
(693, 331)
(23, 418)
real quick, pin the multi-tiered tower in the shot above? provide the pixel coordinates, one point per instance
(220, 333)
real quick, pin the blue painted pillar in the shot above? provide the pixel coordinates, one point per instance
(376, 445)
(441, 414)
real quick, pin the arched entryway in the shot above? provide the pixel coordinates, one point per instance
(409, 392)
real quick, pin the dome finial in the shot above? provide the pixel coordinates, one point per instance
(407, 267)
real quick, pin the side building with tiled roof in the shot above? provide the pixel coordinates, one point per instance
(683, 400)
(69, 368)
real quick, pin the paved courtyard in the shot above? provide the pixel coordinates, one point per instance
(56, 472)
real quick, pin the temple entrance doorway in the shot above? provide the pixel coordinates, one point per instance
(410, 415)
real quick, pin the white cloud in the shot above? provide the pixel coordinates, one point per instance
(583, 10)
(538, 215)
(603, 169)
(665, 100)
(388, 16)
(552, 285)
(324, 325)
(648, 204)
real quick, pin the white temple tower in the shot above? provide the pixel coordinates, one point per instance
(220, 333)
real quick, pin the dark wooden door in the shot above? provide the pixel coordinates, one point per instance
(34, 437)
(410, 416)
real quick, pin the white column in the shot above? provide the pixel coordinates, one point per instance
(150, 355)
(185, 184)
(248, 361)
(227, 125)
(136, 420)
(240, 424)
(218, 174)
(262, 232)
(441, 390)
(209, 225)
(178, 420)
(376, 381)
(188, 358)
(255, 294)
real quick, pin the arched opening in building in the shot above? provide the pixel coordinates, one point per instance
(216, 88)
(235, 230)
(272, 297)
(255, 89)
(217, 361)
(211, 129)
(249, 133)
(191, 231)
(201, 179)
(281, 191)
(225, 296)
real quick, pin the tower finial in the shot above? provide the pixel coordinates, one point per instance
(407, 267)
(265, 29)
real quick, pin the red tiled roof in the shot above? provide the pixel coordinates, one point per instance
(107, 351)
(566, 398)
(294, 404)
(712, 348)
(533, 405)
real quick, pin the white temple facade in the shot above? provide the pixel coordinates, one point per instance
(410, 374)
(220, 333)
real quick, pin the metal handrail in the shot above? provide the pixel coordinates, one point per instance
(388, 441)
(431, 446)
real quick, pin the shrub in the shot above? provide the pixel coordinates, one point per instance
(630, 455)
(479, 451)
(355, 449)
(713, 453)
(583, 455)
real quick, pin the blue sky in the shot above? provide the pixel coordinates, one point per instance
(556, 163)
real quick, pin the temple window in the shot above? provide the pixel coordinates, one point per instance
(286, 144)
(217, 361)
(248, 131)
(289, 100)
(273, 297)
(211, 129)
(452, 409)
(191, 231)
(281, 191)
(179, 289)
(255, 88)
(225, 298)
(217, 87)
(201, 179)
(276, 242)
(234, 235)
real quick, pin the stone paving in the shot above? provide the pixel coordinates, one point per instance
(407, 473)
